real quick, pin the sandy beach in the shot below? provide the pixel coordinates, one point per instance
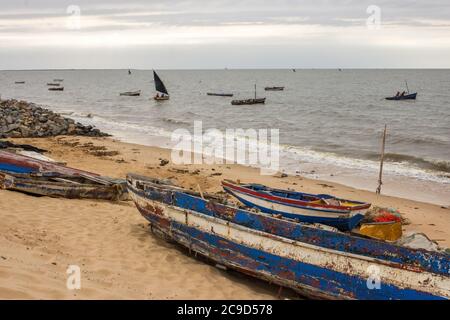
(118, 256)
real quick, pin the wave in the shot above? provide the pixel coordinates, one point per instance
(176, 121)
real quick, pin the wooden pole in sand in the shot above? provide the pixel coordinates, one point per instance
(381, 161)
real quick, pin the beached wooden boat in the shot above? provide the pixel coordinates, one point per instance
(16, 163)
(62, 186)
(313, 208)
(410, 96)
(131, 93)
(312, 260)
(274, 88)
(219, 94)
(53, 84)
(56, 89)
(254, 100)
(161, 91)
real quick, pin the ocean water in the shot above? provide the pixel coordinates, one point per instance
(330, 121)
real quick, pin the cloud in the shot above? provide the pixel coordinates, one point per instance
(201, 24)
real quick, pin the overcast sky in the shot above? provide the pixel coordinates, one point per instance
(195, 34)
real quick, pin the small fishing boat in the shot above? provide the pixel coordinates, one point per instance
(405, 95)
(219, 94)
(62, 186)
(56, 89)
(249, 101)
(131, 93)
(129, 72)
(274, 88)
(313, 260)
(313, 208)
(161, 91)
(19, 82)
(408, 96)
(58, 80)
(53, 84)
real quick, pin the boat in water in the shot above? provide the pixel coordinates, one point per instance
(313, 208)
(131, 93)
(58, 80)
(161, 91)
(316, 261)
(274, 88)
(405, 95)
(19, 82)
(53, 84)
(56, 89)
(219, 94)
(249, 101)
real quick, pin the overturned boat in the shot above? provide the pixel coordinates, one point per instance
(314, 208)
(313, 260)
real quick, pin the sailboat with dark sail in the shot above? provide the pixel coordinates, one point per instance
(249, 101)
(161, 91)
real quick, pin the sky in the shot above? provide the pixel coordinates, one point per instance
(209, 34)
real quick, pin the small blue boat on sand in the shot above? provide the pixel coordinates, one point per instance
(316, 262)
(313, 208)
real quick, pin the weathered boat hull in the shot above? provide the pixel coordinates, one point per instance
(271, 249)
(64, 188)
(338, 217)
(161, 98)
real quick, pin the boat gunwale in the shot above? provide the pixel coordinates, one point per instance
(294, 202)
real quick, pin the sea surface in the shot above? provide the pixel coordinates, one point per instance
(330, 121)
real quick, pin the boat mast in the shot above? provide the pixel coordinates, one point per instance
(255, 91)
(407, 89)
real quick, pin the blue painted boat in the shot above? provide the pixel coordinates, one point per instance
(313, 208)
(411, 96)
(314, 261)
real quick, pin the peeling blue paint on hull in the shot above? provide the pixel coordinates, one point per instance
(315, 262)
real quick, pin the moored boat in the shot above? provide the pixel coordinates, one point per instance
(219, 94)
(53, 84)
(131, 93)
(274, 88)
(58, 80)
(19, 82)
(410, 96)
(254, 100)
(313, 208)
(309, 259)
(248, 101)
(56, 89)
(161, 91)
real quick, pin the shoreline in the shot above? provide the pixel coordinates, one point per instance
(118, 256)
